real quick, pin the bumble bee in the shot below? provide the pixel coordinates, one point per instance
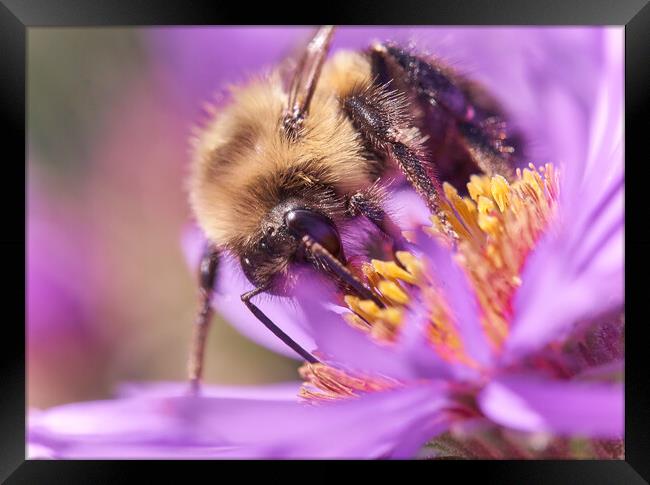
(298, 155)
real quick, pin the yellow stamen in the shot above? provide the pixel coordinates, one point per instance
(393, 292)
(392, 315)
(485, 205)
(325, 383)
(356, 321)
(390, 270)
(366, 309)
(500, 191)
(410, 262)
(489, 224)
(497, 226)
(532, 178)
(477, 186)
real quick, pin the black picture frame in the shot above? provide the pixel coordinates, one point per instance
(16, 16)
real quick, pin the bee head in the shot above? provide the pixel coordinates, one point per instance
(286, 237)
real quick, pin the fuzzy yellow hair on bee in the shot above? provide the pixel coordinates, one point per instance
(243, 156)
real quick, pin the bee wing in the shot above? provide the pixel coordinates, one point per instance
(305, 77)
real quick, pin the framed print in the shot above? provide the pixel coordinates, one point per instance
(386, 239)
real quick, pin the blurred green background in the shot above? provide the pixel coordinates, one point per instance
(108, 153)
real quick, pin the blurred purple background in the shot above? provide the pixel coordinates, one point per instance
(110, 297)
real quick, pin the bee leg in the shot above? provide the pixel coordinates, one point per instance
(477, 118)
(381, 118)
(207, 278)
(266, 321)
(369, 205)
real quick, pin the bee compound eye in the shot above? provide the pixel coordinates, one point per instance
(319, 227)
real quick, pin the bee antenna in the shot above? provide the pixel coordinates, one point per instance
(268, 323)
(306, 77)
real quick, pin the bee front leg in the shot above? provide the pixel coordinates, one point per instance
(369, 205)
(208, 268)
(382, 118)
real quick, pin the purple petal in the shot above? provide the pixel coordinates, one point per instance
(125, 420)
(371, 426)
(407, 209)
(576, 271)
(37, 451)
(560, 407)
(82, 450)
(554, 298)
(383, 424)
(146, 427)
(285, 391)
(419, 434)
(345, 346)
(227, 302)
(458, 295)
(613, 371)
(415, 345)
(185, 427)
(606, 127)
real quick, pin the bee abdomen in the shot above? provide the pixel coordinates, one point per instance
(431, 80)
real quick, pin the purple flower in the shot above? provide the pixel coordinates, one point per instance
(473, 338)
